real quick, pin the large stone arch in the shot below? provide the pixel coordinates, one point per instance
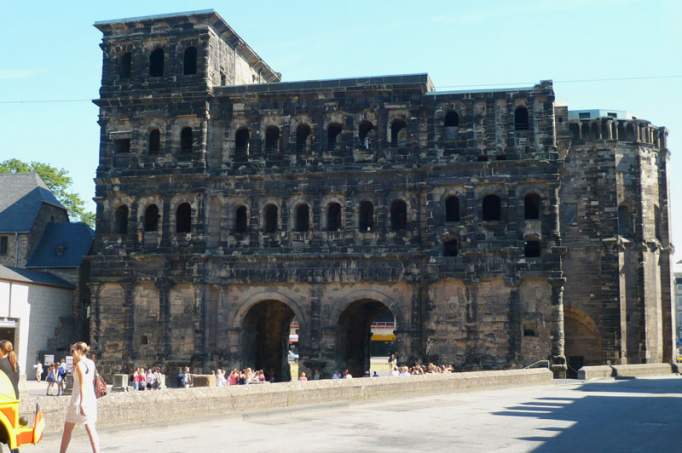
(341, 302)
(583, 340)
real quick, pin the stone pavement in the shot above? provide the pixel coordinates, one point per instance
(643, 415)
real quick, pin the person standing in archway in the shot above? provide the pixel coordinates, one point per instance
(82, 408)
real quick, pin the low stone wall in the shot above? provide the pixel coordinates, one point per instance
(182, 405)
(642, 370)
(595, 372)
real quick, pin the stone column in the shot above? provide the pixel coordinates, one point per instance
(558, 359)
(164, 285)
(129, 347)
(515, 322)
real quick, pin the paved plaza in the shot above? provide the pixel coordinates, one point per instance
(643, 415)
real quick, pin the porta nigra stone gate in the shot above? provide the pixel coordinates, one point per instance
(495, 226)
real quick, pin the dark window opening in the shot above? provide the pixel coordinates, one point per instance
(4, 241)
(183, 218)
(521, 118)
(333, 217)
(531, 206)
(624, 221)
(492, 208)
(595, 130)
(121, 220)
(186, 140)
(398, 133)
(366, 217)
(271, 140)
(451, 119)
(452, 209)
(630, 133)
(398, 215)
(303, 135)
(156, 63)
(529, 332)
(241, 220)
(223, 79)
(241, 144)
(657, 224)
(575, 130)
(333, 132)
(154, 141)
(125, 66)
(532, 249)
(271, 218)
(450, 247)
(501, 157)
(151, 218)
(366, 134)
(585, 128)
(482, 158)
(302, 223)
(144, 340)
(122, 145)
(190, 61)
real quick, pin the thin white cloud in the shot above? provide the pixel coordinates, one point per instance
(10, 74)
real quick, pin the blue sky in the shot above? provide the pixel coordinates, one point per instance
(50, 51)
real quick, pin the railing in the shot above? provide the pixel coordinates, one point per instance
(538, 364)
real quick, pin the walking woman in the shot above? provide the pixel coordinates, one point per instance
(82, 408)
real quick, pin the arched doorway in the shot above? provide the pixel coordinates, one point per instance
(365, 329)
(582, 341)
(265, 339)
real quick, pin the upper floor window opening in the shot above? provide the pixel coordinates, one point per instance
(151, 218)
(183, 218)
(492, 208)
(452, 209)
(333, 216)
(125, 66)
(303, 137)
(302, 221)
(241, 144)
(241, 222)
(532, 249)
(451, 119)
(333, 132)
(271, 140)
(532, 206)
(190, 61)
(121, 220)
(450, 248)
(366, 216)
(122, 145)
(398, 215)
(154, 141)
(521, 122)
(624, 221)
(271, 214)
(156, 63)
(186, 140)
(366, 134)
(398, 133)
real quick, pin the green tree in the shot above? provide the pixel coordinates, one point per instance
(58, 181)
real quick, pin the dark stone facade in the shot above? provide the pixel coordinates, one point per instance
(229, 203)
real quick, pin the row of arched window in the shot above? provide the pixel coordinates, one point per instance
(157, 62)
(122, 146)
(366, 221)
(366, 134)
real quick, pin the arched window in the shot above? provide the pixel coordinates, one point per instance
(451, 119)
(190, 61)
(532, 249)
(521, 118)
(398, 133)
(452, 209)
(241, 144)
(366, 134)
(271, 140)
(186, 140)
(531, 206)
(333, 132)
(621, 130)
(154, 141)
(121, 220)
(450, 247)
(595, 131)
(271, 214)
(125, 66)
(492, 208)
(303, 135)
(241, 222)
(585, 127)
(575, 130)
(398, 215)
(366, 216)
(151, 218)
(302, 218)
(156, 63)
(624, 221)
(630, 133)
(183, 218)
(333, 216)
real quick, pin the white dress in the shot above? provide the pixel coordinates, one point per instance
(73, 413)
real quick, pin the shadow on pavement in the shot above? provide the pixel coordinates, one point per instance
(639, 415)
